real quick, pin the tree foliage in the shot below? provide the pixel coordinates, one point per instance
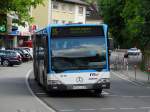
(129, 21)
(19, 7)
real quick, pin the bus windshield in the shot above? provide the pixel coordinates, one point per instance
(78, 53)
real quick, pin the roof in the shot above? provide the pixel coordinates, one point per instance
(73, 1)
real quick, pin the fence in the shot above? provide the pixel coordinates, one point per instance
(146, 60)
(131, 67)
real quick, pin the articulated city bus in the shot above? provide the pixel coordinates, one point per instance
(72, 57)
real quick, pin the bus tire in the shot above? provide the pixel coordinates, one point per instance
(35, 72)
(45, 85)
(98, 92)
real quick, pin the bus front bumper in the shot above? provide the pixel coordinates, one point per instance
(63, 87)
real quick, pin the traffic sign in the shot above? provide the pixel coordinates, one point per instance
(2, 28)
(3, 23)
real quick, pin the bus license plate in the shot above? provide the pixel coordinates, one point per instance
(79, 87)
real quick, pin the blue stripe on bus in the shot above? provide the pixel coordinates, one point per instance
(106, 36)
(49, 50)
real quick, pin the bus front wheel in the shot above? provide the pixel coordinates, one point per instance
(98, 92)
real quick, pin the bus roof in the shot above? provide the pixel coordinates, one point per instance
(73, 24)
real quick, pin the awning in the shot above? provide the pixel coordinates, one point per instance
(14, 33)
(25, 33)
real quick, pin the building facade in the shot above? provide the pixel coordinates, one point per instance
(14, 35)
(93, 14)
(59, 12)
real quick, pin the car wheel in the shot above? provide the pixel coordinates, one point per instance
(5, 63)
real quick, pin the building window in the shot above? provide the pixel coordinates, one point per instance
(55, 21)
(71, 9)
(63, 21)
(81, 10)
(63, 7)
(55, 5)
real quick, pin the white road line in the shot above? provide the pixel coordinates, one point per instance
(108, 109)
(124, 78)
(40, 93)
(87, 109)
(67, 110)
(128, 96)
(127, 108)
(30, 90)
(144, 107)
(144, 96)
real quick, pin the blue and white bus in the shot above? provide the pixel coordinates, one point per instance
(72, 57)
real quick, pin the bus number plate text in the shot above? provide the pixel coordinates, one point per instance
(79, 87)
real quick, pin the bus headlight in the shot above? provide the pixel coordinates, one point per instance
(104, 80)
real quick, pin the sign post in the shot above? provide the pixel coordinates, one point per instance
(3, 23)
(148, 69)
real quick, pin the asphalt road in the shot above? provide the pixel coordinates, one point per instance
(124, 96)
(15, 96)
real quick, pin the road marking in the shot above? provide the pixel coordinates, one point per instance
(40, 93)
(127, 96)
(87, 109)
(127, 108)
(67, 110)
(144, 107)
(113, 95)
(107, 108)
(30, 90)
(20, 110)
(144, 96)
(124, 78)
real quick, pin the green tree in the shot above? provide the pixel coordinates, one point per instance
(110, 11)
(134, 21)
(19, 7)
(129, 21)
(145, 39)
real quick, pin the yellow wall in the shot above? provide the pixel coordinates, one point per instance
(40, 15)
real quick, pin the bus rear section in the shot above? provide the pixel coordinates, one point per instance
(77, 58)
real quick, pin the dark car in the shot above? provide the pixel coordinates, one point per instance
(28, 49)
(10, 58)
(24, 54)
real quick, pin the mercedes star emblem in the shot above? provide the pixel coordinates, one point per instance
(79, 79)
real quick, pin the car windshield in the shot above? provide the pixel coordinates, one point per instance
(11, 53)
(78, 53)
(133, 49)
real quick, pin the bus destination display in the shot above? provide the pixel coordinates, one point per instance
(77, 31)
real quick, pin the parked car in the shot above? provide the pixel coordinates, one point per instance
(24, 54)
(133, 51)
(10, 58)
(28, 49)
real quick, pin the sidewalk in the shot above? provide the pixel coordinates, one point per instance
(137, 76)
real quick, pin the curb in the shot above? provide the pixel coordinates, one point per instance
(32, 93)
